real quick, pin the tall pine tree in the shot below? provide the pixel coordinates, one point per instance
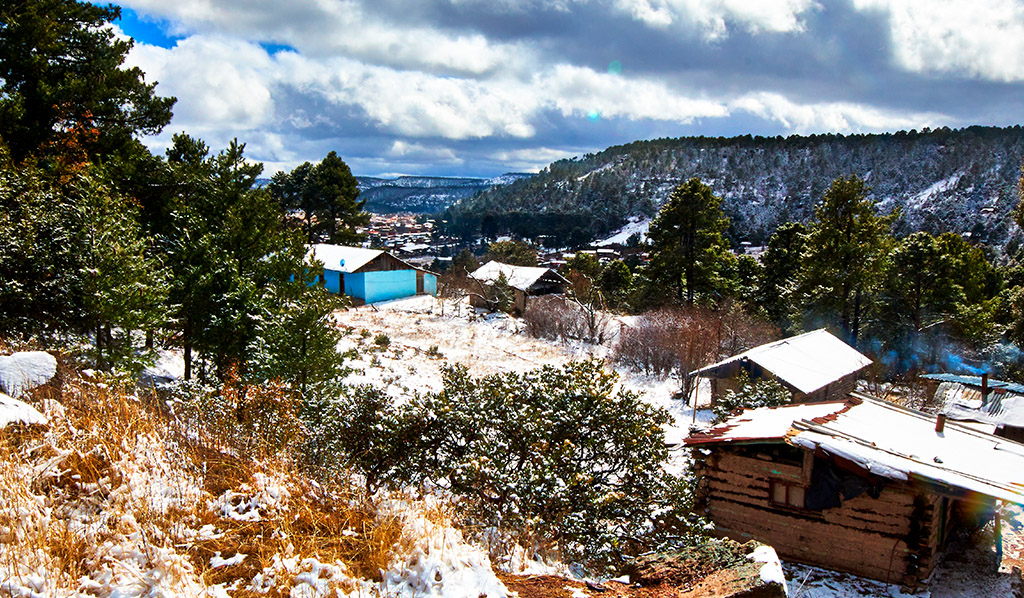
(688, 249)
(846, 246)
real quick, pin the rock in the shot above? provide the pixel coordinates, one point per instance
(25, 370)
(13, 411)
(720, 568)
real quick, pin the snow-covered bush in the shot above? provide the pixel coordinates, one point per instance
(765, 392)
(551, 457)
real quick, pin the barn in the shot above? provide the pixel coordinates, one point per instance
(859, 485)
(370, 275)
(526, 281)
(814, 366)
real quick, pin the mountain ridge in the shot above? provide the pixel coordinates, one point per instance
(962, 180)
(424, 194)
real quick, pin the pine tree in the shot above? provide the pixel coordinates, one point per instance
(780, 275)
(327, 197)
(846, 247)
(124, 287)
(62, 81)
(688, 248)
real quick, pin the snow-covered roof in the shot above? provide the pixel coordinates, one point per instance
(765, 423)
(806, 362)
(888, 441)
(518, 277)
(341, 258)
(1011, 387)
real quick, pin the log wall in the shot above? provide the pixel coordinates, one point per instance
(892, 538)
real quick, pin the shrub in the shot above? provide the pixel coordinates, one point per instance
(686, 339)
(766, 392)
(382, 341)
(553, 455)
(551, 317)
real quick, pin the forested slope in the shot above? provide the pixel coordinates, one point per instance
(943, 180)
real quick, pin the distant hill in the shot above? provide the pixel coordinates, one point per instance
(944, 180)
(424, 194)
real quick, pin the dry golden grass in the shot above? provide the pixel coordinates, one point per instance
(113, 470)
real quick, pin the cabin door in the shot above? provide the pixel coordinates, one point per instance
(419, 282)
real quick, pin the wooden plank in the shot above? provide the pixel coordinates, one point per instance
(882, 569)
(793, 535)
(757, 468)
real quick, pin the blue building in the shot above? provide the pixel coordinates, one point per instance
(370, 275)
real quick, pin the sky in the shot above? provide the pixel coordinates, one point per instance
(484, 87)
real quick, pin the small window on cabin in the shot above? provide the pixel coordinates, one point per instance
(785, 494)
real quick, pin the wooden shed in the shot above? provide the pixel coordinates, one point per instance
(997, 404)
(370, 275)
(526, 282)
(859, 485)
(814, 366)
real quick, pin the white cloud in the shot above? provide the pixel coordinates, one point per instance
(216, 80)
(982, 39)
(581, 91)
(836, 117)
(711, 17)
(416, 151)
(340, 27)
(532, 159)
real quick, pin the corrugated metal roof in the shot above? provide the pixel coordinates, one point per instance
(976, 381)
(965, 403)
(806, 362)
(341, 258)
(518, 277)
(891, 442)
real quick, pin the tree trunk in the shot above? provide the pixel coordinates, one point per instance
(855, 328)
(99, 347)
(187, 346)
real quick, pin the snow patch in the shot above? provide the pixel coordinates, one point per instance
(13, 411)
(635, 225)
(26, 370)
(771, 570)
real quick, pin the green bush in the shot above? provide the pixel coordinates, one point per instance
(766, 392)
(552, 455)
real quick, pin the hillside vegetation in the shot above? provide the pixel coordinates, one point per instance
(942, 180)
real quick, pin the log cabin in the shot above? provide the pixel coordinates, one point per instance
(814, 366)
(860, 485)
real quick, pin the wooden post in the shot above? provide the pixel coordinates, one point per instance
(999, 538)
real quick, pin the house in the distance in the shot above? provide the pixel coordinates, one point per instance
(859, 485)
(526, 281)
(814, 366)
(370, 275)
(995, 404)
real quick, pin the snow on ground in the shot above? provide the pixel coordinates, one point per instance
(635, 225)
(421, 340)
(25, 370)
(932, 192)
(13, 411)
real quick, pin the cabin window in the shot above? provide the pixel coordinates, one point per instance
(786, 494)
